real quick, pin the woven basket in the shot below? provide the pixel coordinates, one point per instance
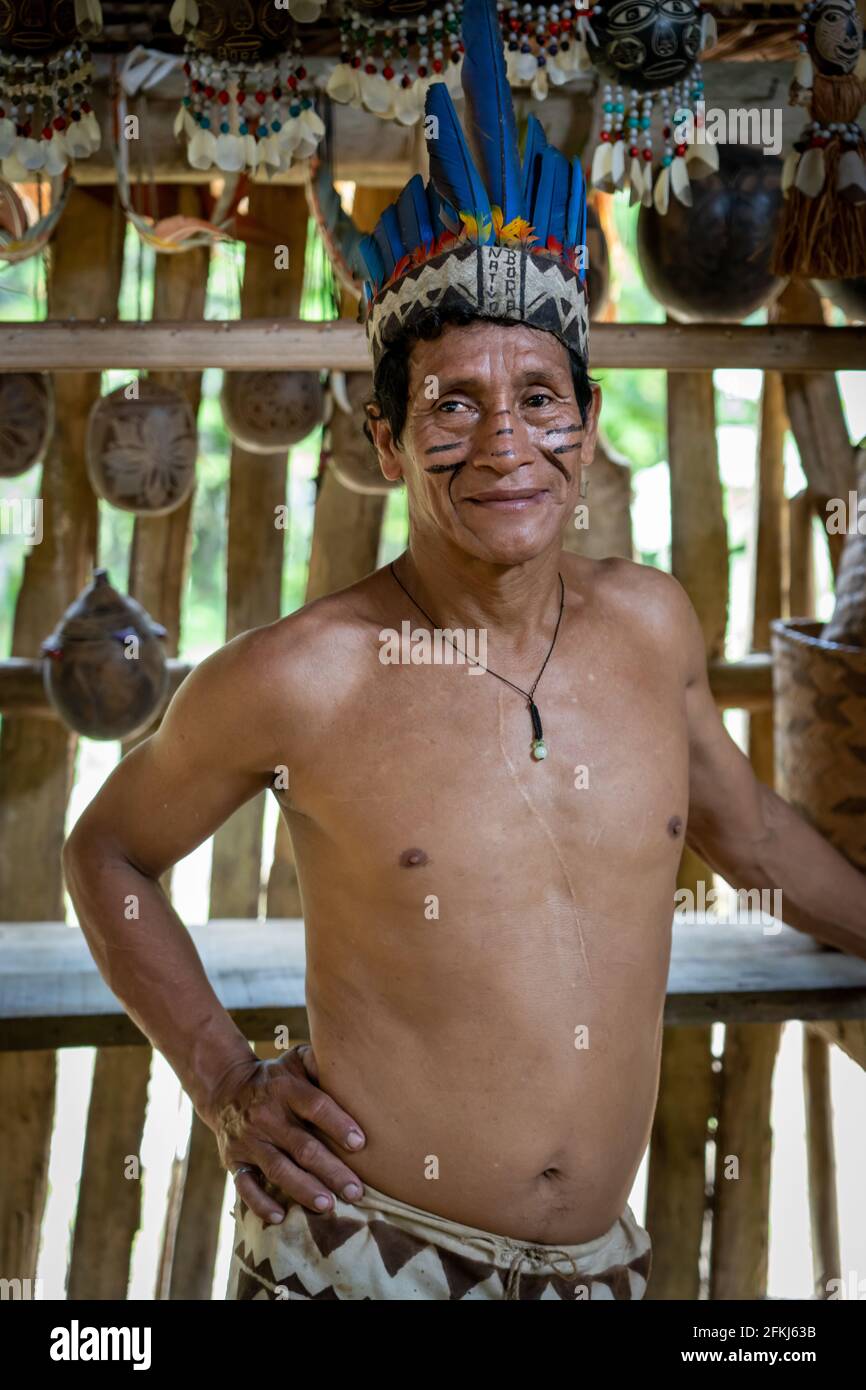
(820, 722)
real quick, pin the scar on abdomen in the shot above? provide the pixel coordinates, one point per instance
(413, 858)
(675, 826)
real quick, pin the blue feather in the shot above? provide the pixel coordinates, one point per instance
(372, 257)
(575, 222)
(534, 144)
(442, 214)
(336, 226)
(413, 215)
(490, 113)
(548, 210)
(451, 168)
(386, 234)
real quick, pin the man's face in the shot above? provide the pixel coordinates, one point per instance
(493, 444)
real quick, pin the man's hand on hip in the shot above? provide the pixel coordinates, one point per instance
(264, 1127)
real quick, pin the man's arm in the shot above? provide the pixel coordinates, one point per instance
(748, 834)
(216, 748)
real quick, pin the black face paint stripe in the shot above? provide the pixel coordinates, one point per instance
(565, 449)
(565, 429)
(505, 431)
(503, 454)
(443, 448)
(444, 467)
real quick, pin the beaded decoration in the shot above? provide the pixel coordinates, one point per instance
(656, 62)
(244, 110)
(46, 119)
(387, 64)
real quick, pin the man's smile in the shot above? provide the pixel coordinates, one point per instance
(508, 499)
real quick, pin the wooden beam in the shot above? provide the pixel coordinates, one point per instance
(51, 993)
(298, 345)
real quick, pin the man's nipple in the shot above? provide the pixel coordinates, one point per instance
(675, 827)
(413, 859)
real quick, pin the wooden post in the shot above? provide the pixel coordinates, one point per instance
(118, 1100)
(741, 1194)
(36, 755)
(676, 1196)
(821, 1158)
(801, 570)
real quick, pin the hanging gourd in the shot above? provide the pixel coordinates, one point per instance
(822, 232)
(346, 450)
(649, 51)
(249, 101)
(26, 420)
(711, 262)
(45, 86)
(266, 412)
(105, 671)
(141, 448)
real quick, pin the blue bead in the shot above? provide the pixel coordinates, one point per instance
(244, 128)
(224, 128)
(205, 122)
(294, 110)
(262, 130)
(276, 125)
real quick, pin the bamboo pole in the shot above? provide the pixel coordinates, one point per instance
(821, 1159)
(676, 1193)
(36, 757)
(339, 344)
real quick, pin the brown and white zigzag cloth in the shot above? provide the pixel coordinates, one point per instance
(380, 1248)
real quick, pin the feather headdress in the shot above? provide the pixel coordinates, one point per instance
(501, 237)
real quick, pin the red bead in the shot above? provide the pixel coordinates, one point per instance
(666, 132)
(405, 81)
(196, 85)
(47, 132)
(634, 151)
(260, 98)
(187, 69)
(681, 149)
(27, 128)
(241, 98)
(647, 154)
(437, 64)
(302, 72)
(59, 123)
(514, 24)
(422, 71)
(293, 81)
(356, 63)
(223, 98)
(86, 107)
(387, 72)
(370, 68)
(553, 28)
(605, 135)
(209, 91)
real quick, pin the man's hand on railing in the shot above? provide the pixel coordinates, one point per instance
(264, 1121)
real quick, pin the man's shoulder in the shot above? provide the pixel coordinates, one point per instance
(640, 591)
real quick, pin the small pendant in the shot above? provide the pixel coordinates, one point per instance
(539, 747)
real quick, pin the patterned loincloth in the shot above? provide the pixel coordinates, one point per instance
(380, 1248)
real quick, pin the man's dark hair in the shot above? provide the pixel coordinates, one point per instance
(390, 396)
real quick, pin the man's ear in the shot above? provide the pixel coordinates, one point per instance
(390, 455)
(590, 429)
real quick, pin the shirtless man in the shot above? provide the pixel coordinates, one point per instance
(467, 907)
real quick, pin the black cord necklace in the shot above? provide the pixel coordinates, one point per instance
(538, 747)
